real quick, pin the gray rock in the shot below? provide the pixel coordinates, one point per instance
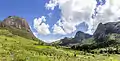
(104, 29)
(17, 26)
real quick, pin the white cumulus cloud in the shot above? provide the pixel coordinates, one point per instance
(58, 30)
(75, 12)
(41, 26)
(110, 12)
(51, 5)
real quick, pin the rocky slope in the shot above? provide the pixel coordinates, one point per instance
(17, 22)
(103, 30)
(106, 36)
(17, 26)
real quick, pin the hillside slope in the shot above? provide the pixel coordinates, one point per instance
(77, 39)
(17, 26)
(17, 44)
(106, 39)
(16, 48)
(104, 29)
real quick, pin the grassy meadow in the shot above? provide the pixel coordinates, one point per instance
(16, 48)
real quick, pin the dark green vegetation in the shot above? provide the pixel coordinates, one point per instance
(105, 40)
(110, 46)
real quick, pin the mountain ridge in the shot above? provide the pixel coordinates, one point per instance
(77, 39)
(104, 29)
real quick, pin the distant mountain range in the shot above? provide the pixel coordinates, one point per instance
(19, 26)
(103, 33)
(73, 41)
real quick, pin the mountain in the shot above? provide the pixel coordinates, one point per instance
(17, 22)
(103, 30)
(106, 36)
(81, 36)
(65, 42)
(17, 26)
(78, 38)
(16, 44)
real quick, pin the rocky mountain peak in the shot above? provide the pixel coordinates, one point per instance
(17, 26)
(104, 29)
(17, 22)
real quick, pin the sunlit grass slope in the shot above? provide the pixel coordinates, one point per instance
(16, 48)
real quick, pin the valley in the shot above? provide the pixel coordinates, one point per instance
(19, 44)
(16, 48)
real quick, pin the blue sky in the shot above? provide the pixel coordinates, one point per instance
(28, 9)
(51, 20)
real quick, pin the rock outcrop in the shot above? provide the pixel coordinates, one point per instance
(17, 26)
(17, 22)
(104, 29)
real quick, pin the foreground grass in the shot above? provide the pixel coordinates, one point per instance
(16, 48)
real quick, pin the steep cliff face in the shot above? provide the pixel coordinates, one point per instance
(100, 32)
(104, 29)
(17, 26)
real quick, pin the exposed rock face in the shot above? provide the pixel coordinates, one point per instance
(100, 33)
(17, 26)
(16, 22)
(104, 29)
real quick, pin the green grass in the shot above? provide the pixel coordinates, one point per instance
(16, 48)
(20, 32)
